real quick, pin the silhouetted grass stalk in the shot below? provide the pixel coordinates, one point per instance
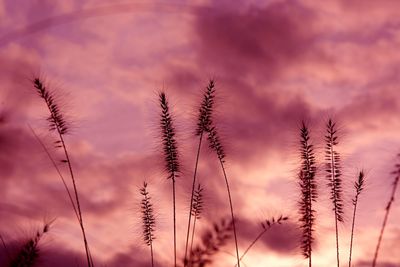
(191, 198)
(309, 192)
(216, 145)
(203, 125)
(334, 175)
(58, 171)
(211, 242)
(388, 206)
(57, 123)
(266, 226)
(149, 221)
(197, 208)
(358, 185)
(29, 253)
(170, 154)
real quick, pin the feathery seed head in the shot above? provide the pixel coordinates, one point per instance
(359, 184)
(28, 255)
(197, 206)
(270, 222)
(56, 119)
(205, 111)
(215, 143)
(333, 169)
(308, 189)
(396, 170)
(211, 243)
(148, 218)
(170, 150)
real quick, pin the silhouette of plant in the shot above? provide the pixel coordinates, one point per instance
(58, 171)
(28, 254)
(265, 227)
(333, 170)
(58, 124)
(211, 243)
(396, 173)
(211, 240)
(170, 150)
(197, 208)
(309, 193)
(149, 221)
(359, 186)
(204, 122)
(216, 145)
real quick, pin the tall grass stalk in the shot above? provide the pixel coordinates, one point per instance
(265, 226)
(203, 125)
(216, 145)
(309, 192)
(333, 170)
(396, 172)
(149, 221)
(57, 169)
(170, 150)
(58, 124)
(359, 186)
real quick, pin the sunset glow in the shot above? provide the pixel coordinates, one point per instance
(275, 64)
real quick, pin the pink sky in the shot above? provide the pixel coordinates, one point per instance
(275, 63)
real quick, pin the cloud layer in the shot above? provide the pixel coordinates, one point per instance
(274, 64)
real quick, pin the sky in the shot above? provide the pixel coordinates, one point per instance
(275, 64)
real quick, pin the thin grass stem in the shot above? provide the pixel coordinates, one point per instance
(266, 226)
(358, 185)
(170, 150)
(57, 169)
(192, 196)
(57, 123)
(387, 211)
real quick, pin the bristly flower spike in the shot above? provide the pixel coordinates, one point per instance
(359, 187)
(28, 255)
(149, 221)
(56, 119)
(309, 193)
(334, 175)
(216, 145)
(168, 138)
(170, 150)
(197, 208)
(57, 123)
(204, 123)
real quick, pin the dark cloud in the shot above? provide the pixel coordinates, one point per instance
(255, 40)
(15, 143)
(247, 47)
